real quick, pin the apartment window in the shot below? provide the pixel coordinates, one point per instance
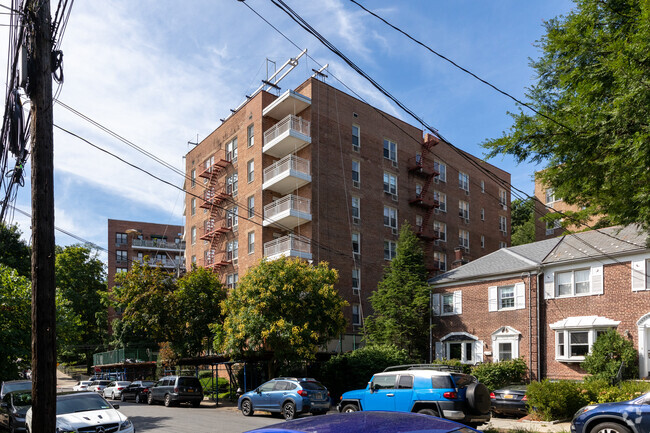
(506, 297)
(356, 173)
(503, 198)
(207, 165)
(193, 177)
(482, 241)
(250, 134)
(232, 184)
(356, 280)
(356, 210)
(232, 217)
(503, 245)
(463, 181)
(232, 250)
(121, 256)
(390, 250)
(251, 206)
(356, 245)
(390, 217)
(232, 280)
(390, 150)
(250, 170)
(121, 238)
(356, 138)
(193, 235)
(463, 238)
(121, 270)
(550, 195)
(251, 242)
(441, 230)
(193, 260)
(441, 168)
(440, 259)
(390, 183)
(448, 303)
(418, 190)
(552, 225)
(482, 214)
(231, 150)
(463, 209)
(483, 186)
(356, 314)
(503, 224)
(441, 198)
(193, 206)
(572, 345)
(572, 283)
(418, 222)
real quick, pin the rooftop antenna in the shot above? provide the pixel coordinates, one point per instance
(268, 61)
(194, 143)
(319, 73)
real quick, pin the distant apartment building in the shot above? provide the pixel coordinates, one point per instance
(133, 241)
(317, 174)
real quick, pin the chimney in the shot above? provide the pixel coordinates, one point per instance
(459, 258)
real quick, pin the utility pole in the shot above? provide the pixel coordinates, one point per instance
(39, 90)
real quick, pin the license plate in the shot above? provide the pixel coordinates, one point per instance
(190, 390)
(508, 396)
(319, 396)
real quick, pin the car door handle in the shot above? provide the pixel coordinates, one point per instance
(390, 395)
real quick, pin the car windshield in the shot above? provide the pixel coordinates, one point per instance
(462, 380)
(80, 403)
(104, 382)
(22, 399)
(146, 384)
(188, 381)
(18, 386)
(312, 386)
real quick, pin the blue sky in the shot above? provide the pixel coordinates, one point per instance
(159, 73)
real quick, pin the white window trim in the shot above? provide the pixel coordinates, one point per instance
(494, 303)
(505, 334)
(595, 282)
(442, 347)
(457, 303)
(589, 324)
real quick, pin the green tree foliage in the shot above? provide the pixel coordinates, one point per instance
(556, 400)
(499, 374)
(608, 352)
(592, 78)
(286, 306)
(523, 221)
(401, 303)
(14, 252)
(157, 306)
(81, 279)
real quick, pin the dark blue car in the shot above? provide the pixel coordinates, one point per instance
(368, 422)
(632, 416)
(289, 396)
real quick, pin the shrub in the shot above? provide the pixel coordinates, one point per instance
(499, 374)
(607, 353)
(556, 400)
(466, 368)
(600, 391)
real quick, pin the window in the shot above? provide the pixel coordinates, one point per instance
(505, 343)
(232, 250)
(250, 134)
(356, 173)
(419, 221)
(193, 177)
(193, 206)
(448, 303)
(121, 270)
(463, 238)
(503, 198)
(356, 138)
(193, 260)
(461, 346)
(482, 241)
(550, 195)
(390, 217)
(552, 225)
(250, 170)
(418, 190)
(390, 250)
(441, 230)
(121, 256)
(441, 198)
(503, 224)
(482, 214)
(483, 186)
(463, 181)
(356, 280)
(505, 351)
(390, 183)
(356, 314)
(251, 242)
(232, 218)
(441, 168)
(573, 283)
(251, 206)
(440, 260)
(121, 238)
(503, 244)
(231, 184)
(506, 297)
(356, 211)
(640, 275)
(232, 280)
(390, 150)
(356, 245)
(463, 209)
(193, 235)
(405, 382)
(231, 150)
(574, 336)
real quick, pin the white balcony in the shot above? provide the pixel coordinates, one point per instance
(288, 212)
(288, 246)
(287, 136)
(164, 262)
(286, 175)
(290, 102)
(157, 245)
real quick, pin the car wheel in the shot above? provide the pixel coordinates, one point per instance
(112, 396)
(431, 412)
(247, 408)
(610, 427)
(122, 397)
(150, 399)
(168, 400)
(196, 403)
(350, 408)
(138, 399)
(289, 410)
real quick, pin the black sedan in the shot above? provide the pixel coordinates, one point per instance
(13, 408)
(137, 390)
(510, 400)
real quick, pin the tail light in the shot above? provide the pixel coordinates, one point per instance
(145, 390)
(302, 393)
(176, 389)
(525, 398)
(492, 396)
(328, 393)
(120, 389)
(450, 395)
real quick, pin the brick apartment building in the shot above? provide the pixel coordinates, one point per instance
(317, 174)
(132, 241)
(547, 302)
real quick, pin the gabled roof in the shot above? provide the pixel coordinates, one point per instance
(528, 257)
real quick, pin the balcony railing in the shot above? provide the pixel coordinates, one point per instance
(222, 159)
(291, 246)
(289, 211)
(287, 174)
(161, 262)
(158, 244)
(287, 136)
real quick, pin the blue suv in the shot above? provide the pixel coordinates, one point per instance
(438, 390)
(620, 417)
(288, 396)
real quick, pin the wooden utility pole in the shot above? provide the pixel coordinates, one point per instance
(39, 90)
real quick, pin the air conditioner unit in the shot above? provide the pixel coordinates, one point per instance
(505, 207)
(393, 231)
(466, 220)
(356, 184)
(466, 192)
(356, 256)
(355, 291)
(356, 220)
(436, 180)
(436, 211)
(355, 148)
(394, 197)
(394, 163)
(436, 242)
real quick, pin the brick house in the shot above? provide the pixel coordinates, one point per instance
(547, 302)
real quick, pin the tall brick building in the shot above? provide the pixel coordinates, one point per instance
(317, 174)
(132, 241)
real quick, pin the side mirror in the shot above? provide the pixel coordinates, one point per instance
(258, 390)
(116, 406)
(4, 405)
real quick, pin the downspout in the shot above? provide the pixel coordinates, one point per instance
(539, 297)
(530, 326)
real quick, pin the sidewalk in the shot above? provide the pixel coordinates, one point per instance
(503, 424)
(64, 382)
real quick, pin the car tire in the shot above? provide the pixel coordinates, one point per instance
(150, 399)
(113, 396)
(478, 398)
(247, 408)
(431, 412)
(138, 399)
(289, 411)
(168, 401)
(122, 397)
(350, 408)
(196, 403)
(12, 428)
(610, 427)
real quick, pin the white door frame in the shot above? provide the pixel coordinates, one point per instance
(643, 334)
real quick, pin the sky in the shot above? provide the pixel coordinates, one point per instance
(162, 73)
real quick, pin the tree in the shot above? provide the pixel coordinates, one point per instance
(81, 279)
(15, 321)
(401, 303)
(593, 83)
(286, 306)
(14, 252)
(608, 352)
(523, 221)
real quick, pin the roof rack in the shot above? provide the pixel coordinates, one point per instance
(436, 367)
